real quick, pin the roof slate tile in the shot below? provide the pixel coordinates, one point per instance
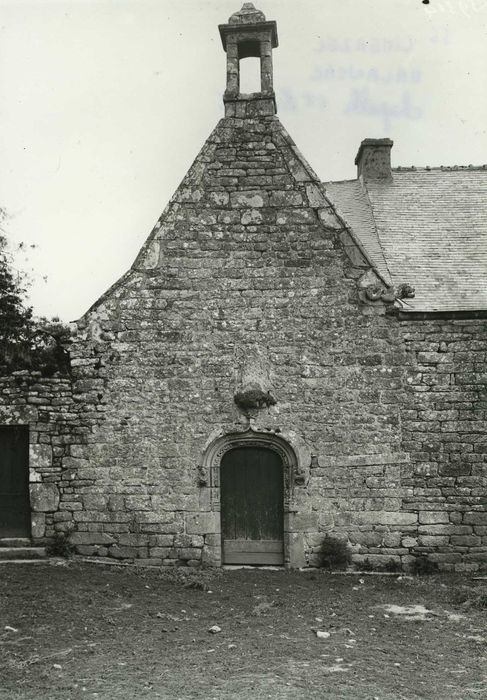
(428, 228)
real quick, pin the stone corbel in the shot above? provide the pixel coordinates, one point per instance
(299, 476)
(253, 390)
(302, 472)
(202, 475)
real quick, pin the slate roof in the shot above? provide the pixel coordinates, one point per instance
(425, 227)
(351, 202)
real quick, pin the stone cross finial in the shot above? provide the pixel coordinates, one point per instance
(247, 15)
(249, 34)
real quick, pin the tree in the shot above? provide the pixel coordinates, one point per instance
(26, 342)
(15, 315)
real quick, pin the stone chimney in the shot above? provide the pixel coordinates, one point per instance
(373, 159)
(249, 34)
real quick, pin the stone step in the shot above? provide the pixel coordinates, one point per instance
(22, 552)
(14, 542)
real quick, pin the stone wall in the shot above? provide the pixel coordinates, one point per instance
(244, 276)
(444, 426)
(441, 482)
(46, 405)
(244, 282)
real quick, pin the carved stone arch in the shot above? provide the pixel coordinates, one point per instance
(295, 458)
(213, 454)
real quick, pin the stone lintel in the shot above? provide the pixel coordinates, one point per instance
(268, 28)
(250, 106)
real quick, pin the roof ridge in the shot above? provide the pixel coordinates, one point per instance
(443, 168)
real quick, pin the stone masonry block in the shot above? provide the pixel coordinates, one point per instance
(80, 451)
(133, 539)
(159, 552)
(219, 199)
(94, 501)
(126, 552)
(314, 539)
(44, 497)
(248, 200)
(161, 541)
(303, 522)
(475, 518)
(465, 540)
(385, 518)
(203, 523)
(294, 216)
(34, 476)
(449, 529)
(433, 516)
(213, 540)
(285, 199)
(392, 539)
(328, 218)
(296, 550)
(38, 525)
(188, 553)
(189, 540)
(251, 216)
(366, 539)
(433, 540)
(211, 556)
(138, 502)
(40, 456)
(91, 538)
(315, 196)
(432, 357)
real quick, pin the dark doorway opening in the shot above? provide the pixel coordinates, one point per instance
(252, 508)
(14, 481)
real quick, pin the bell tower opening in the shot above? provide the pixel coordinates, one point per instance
(249, 90)
(249, 75)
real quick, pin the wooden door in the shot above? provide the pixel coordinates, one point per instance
(251, 480)
(14, 481)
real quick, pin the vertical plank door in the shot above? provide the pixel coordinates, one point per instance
(251, 481)
(14, 481)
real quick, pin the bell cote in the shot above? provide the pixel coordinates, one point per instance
(248, 34)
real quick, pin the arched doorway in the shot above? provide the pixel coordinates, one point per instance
(252, 506)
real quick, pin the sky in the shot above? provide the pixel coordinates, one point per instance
(104, 104)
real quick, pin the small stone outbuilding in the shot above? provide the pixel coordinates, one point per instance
(285, 359)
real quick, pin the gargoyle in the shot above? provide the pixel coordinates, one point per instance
(377, 292)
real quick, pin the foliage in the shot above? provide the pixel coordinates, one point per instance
(366, 565)
(392, 566)
(60, 546)
(470, 598)
(26, 342)
(335, 553)
(422, 566)
(40, 347)
(15, 316)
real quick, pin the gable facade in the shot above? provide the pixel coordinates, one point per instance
(256, 319)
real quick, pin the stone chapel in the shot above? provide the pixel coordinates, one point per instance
(286, 359)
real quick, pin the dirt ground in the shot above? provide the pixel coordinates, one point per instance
(73, 630)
